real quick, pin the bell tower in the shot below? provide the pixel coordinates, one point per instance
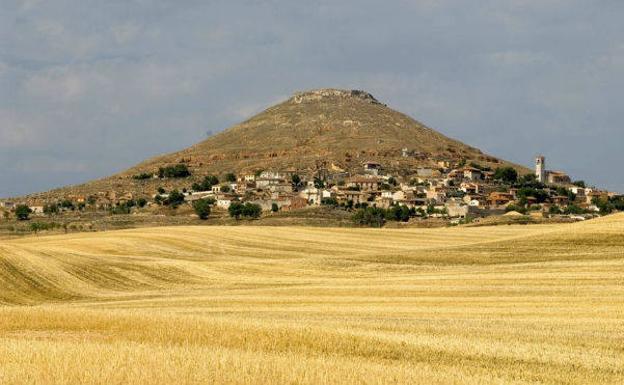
(540, 169)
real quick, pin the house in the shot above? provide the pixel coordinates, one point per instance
(455, 208)
(472, 173)
(373, 168)
(560, 200)
(281, 188)
(499, 199)
(424, 172)
(364, 183)
(345, 196)
(437, 194)
(558, 177)
(469, 188)
(294, 203)
(263, 183)
(475, 200)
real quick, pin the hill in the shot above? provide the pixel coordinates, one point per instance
(342, 129)
(248, 305)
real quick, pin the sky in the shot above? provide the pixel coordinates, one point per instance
(89, 87)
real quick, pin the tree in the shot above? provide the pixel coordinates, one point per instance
(230, 177)
(252, 210)
(225, 188)
(178, 171)
(51, 209)
(235, 210)
(370, 216)
(161, 190)
(506, 174)
(202, 208)
(579, 183)
(175, 199)
(206, 184)
(22, 212)
(329, 202)
(67, 204)
(318, 182)
(274, 207)
(141, 202)
(296, 181)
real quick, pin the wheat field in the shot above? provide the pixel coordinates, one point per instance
(278, 305)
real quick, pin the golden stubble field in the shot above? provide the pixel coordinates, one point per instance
(277, 305)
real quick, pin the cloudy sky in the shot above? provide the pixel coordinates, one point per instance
(88, 88)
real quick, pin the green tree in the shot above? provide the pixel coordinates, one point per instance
(51, 209)
(506, 174)
(141, 202)
(178, 171)
(296, 181)
(202, 208)
(274, 207)
(252, 210)
(22, 212)
(370, 216)
(579, 183)
(230, 177)
(175, 199)
(235, 210)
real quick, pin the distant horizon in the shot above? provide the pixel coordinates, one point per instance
(87, 90)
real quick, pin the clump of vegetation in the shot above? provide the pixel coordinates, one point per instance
(370, 216)
(22, 212)
(506, 174)
(178, 171)
(247, 210)
(206, 184)
(202, 208)
(142, 176)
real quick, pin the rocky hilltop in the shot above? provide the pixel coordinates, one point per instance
(336, 129)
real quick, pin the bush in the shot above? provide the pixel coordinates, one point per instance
(230, 177)
(175, 199)
(206, 184)
(142, 176)
(398, 213)
(329, 202)
(22, 212)
(202, 208)
(51, 209)
(177, 171)
(506, 174)
(248, 210)
(274, 207)
(141, 202)
(370, 216)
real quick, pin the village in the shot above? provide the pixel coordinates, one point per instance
(458, 193)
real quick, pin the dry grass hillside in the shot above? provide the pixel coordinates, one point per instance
(537, 304)
(343, 128)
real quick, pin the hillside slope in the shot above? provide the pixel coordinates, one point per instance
(341, 128)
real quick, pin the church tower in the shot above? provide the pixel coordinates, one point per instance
(540, 169)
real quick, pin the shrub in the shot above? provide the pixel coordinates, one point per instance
(177, 171)
(370, 216)
(506, 174)
(206, 184)
(22, 212)
(248, 210)
(175, 199)
(274, 207)
(230, 177)
(202, 208)
(142, 176)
